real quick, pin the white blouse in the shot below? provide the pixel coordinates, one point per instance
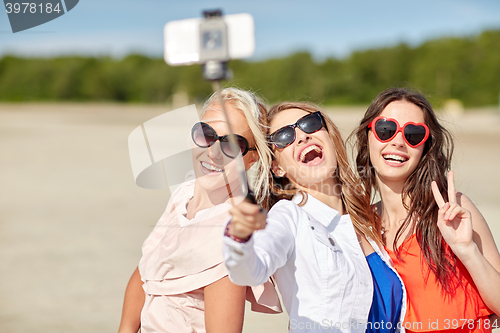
(317, 262)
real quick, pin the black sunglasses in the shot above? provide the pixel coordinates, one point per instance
(309, 124)
(204, 136)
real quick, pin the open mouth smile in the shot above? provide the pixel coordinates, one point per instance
(395, 158)
(208, 168)
(311, 155)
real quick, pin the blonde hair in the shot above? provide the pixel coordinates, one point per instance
(255, 112)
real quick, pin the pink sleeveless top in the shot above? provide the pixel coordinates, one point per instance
(181, 255)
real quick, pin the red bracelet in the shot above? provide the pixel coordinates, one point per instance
(235, 238)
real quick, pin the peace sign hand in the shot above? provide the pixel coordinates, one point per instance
(454, 221)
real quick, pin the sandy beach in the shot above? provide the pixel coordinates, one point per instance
(72, 220)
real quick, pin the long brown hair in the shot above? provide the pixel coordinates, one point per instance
(356, 202)
(433, 166)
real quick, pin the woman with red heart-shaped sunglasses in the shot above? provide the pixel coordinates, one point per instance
(440, 243)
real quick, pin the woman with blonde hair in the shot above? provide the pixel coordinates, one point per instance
(181, 283)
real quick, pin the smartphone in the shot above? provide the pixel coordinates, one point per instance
(197, 40)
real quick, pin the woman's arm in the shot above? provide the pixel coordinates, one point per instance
(482, 258)
(132, 305)
(253, 262)
(224, 307)
(469, 237)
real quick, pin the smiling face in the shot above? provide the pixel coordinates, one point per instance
(395, 160)
(310, 160)
(210, 162)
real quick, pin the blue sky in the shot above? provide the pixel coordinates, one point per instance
(325, 28)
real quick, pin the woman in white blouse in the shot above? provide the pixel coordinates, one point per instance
(310, 242)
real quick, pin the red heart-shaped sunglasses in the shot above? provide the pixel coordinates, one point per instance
(385, 129)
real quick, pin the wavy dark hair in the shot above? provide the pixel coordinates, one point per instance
(433, 166)
(355, 200)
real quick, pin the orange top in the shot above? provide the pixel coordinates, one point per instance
(428, 307)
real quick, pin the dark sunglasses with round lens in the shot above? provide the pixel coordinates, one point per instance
(385, 129)
(309, 124)
(204, 136)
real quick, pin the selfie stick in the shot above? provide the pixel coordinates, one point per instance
(215, 71)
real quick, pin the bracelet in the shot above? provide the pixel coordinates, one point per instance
(235, 238)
